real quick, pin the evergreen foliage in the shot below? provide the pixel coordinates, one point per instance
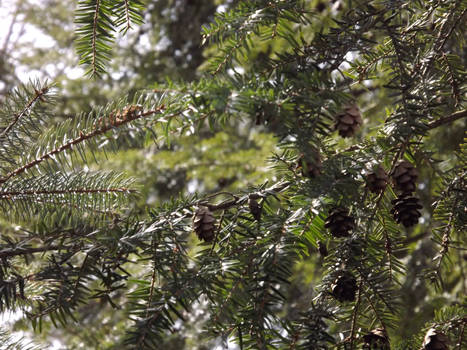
(98, 19)
(316, 257)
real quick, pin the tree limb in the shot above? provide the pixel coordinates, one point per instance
(114, 121)
(449, 119)
(23, 251)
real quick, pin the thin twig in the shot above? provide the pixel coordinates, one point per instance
(219, 227)
(449, 119)
(151, 292)
(377, 315)
(127, 14)
(452, 80)
(5, 253)
(446, 238)
(355, 314)
(38, 96)
(78, 278)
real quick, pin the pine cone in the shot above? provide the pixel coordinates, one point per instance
(405, 210)
(255, 208)
(435, 340)
(344, 288)
(348, 121)
(404, 177)
(320, 7)
(204, 223)
(377, 180)
(377, 339)
(339, 223)
(309, 166)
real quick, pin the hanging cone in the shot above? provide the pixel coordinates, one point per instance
(339, 223)
(377, 180)
(435, 340)
(348, 121)
(404, 177)
(204, 224)
(255, 208)
(321, 6)
(405, 210)
(344, 288)
(377, 339)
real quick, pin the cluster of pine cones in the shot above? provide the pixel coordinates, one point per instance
(377, 339)
(404, 176)
(406, 207)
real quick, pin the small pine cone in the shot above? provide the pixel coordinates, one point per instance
(377, 339)
(255, 208)
(377, 180)
(309, 166)
(344, 288)
(435, 340)
(405, 210)
(321, 6)
(404, 177)
(348, 121)
(204, 223)
(339, 222)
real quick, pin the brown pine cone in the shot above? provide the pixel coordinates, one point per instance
(405, 210)
(339, 222)
(204, 224)
(348, 121)
(377, 180)
(404, 177)
(435, 340)
(377, 339)
(255, 208)
(320, 7)
(344, 288)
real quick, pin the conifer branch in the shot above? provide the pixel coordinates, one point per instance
(151, 294)
(449, 119)
(109, 213)
(7, 195)
(127, 15)
(353, 326)
(38, 96)
(94, 38)
(442, 37)
(115, 122)
(6, 253)
(446, 238)
(452, 81)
